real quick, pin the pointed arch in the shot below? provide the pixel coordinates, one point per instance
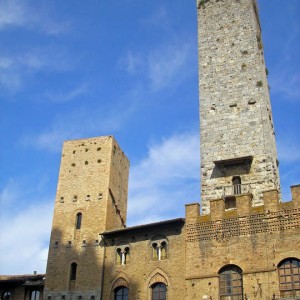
(121, 279)
(156, 276)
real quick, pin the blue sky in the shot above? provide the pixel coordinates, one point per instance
(78, 69)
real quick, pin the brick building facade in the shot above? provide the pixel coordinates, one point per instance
(243, 245)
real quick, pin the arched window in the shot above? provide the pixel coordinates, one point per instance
(159, 291)
(78, 220)
(231, 283)
(289, 277)
(35, 295)
(121, 293)
(123, 253)
(159, 249)
(6, 296)
(73, 271)
(236, 182)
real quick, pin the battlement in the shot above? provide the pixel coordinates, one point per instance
(239, 206)
(244, 219)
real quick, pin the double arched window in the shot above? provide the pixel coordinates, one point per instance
(35, 295)
(289, 277)
(121, 293)
(159, 249)
(159, 291)
(123, 254)
(231, 283)
(6, 296)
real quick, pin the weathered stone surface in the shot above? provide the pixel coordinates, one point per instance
(235, 109)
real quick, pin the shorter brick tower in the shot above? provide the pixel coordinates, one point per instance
(91, 198)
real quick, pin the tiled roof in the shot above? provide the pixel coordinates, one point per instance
(143, 226)
(23, 277)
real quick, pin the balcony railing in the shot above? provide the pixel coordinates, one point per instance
(236, 189)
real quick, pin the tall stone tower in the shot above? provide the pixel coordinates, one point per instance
(91, 198)
(238, 151)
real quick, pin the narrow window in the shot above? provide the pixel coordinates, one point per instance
(289, 278)
(73, 271)
(231, 283)
(236, 182)
(121, 293)
(159, 291)
(78, 220)
(35, 295)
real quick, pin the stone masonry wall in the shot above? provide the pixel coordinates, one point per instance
(90, 170)
(256, 239)
(235, 111)
(141, 270)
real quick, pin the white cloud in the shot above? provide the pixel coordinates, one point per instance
(167, 64)
(165, 180)
(63, 97)
(16, 13)
(16, 69)
(12, 13)
(25, 230)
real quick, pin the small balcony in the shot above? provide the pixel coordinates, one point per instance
(236, 189)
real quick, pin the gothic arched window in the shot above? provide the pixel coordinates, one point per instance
(289, 277)
(159, 291)
(121, 293)
(231, 283)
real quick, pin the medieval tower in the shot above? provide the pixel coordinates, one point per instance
(91, 198)
(238, 151)
(213, 255)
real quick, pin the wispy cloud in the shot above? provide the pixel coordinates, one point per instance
(159, 19)
(16, 68)
(27, 223)
(167, 178)
(160, 66)
(67, 96)
(16, 13)
(168, 64)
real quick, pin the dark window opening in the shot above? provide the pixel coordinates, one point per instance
(230, 202)
(78, 220)
(159, 291)
(289, 278)
(236, 182)
(121, 293)
(231, 283)
(73, 271)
